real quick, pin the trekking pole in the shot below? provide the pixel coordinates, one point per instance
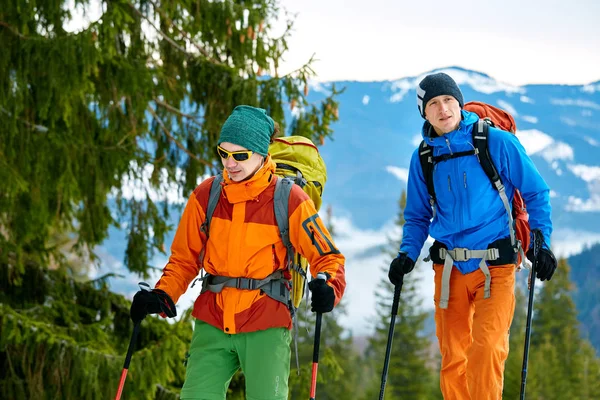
(315, 365)
(388, 349)
(134, 335)
(536, 248)
(136, 330)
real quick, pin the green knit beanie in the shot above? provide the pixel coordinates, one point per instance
(249, 127)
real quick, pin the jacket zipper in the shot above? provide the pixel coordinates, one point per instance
(448, 144)
(467, 195)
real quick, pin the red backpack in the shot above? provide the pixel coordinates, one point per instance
(496, 117)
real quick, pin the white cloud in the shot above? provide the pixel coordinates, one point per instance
(403, 86)
(417, 139)
(568, 121)
(530, 119)
(576, 204)
(575, 102)
(319, 87)
(586, 113)
(479, 82)
(526, 99)
(534, 140)
(592, 141)
(556, 167)
(365, 100)
(591, 88)
(553, 194)
(353, 241)
(400, 173)
(507, 107)
(568, 242)
(586, 172)
(590, 174)
(558, 151)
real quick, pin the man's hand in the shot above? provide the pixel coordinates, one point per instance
(546, 263)
(323, 296)
(151, 302)
(400, 266)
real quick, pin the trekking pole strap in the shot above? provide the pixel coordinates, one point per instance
(462, 254)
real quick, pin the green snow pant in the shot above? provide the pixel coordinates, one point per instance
(215, 356)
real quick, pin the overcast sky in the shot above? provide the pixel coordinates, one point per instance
(514, 41)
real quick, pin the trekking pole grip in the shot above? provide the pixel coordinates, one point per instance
(396, 302)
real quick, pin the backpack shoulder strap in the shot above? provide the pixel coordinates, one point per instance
(213, 200)
(480, 142)
(281, 200)
(426, 159)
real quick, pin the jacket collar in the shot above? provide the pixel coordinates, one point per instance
(461, 134)
(250, 189)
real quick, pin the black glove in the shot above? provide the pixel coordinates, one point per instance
(546, 263)
(151, 302)
(400, 266)
(323, 296)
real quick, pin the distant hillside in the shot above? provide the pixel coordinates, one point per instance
(585, 273)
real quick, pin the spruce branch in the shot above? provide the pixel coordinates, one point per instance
(177, 111)
(183, 33)
(164, 35)
(13, 30)
(174, 140)
(171, 41)
(37, 127)
(306, 69)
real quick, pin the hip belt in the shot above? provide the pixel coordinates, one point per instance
(499, 252)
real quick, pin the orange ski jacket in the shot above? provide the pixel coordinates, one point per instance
(244, 241)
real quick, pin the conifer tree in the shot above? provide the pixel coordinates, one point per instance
(409, 375)
(562, 363)
(139, 93)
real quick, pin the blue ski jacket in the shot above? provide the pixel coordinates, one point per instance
(469, 211)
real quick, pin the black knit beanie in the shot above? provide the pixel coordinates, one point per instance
(436, 85)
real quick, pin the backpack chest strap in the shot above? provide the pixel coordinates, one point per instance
(462, 254)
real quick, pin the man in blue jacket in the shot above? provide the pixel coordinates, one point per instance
(470, 225)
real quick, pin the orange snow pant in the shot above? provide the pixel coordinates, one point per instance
(473, 332)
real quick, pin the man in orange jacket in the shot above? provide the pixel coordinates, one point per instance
(239, 325)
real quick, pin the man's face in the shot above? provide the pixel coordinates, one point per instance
(240, 170)
(443, 113)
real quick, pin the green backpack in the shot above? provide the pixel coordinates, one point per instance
(297, 162)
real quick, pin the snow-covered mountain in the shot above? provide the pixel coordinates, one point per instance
(368, 161)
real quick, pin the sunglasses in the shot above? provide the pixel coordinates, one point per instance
(242, 155)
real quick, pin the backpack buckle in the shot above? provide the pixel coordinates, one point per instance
(245, 283)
